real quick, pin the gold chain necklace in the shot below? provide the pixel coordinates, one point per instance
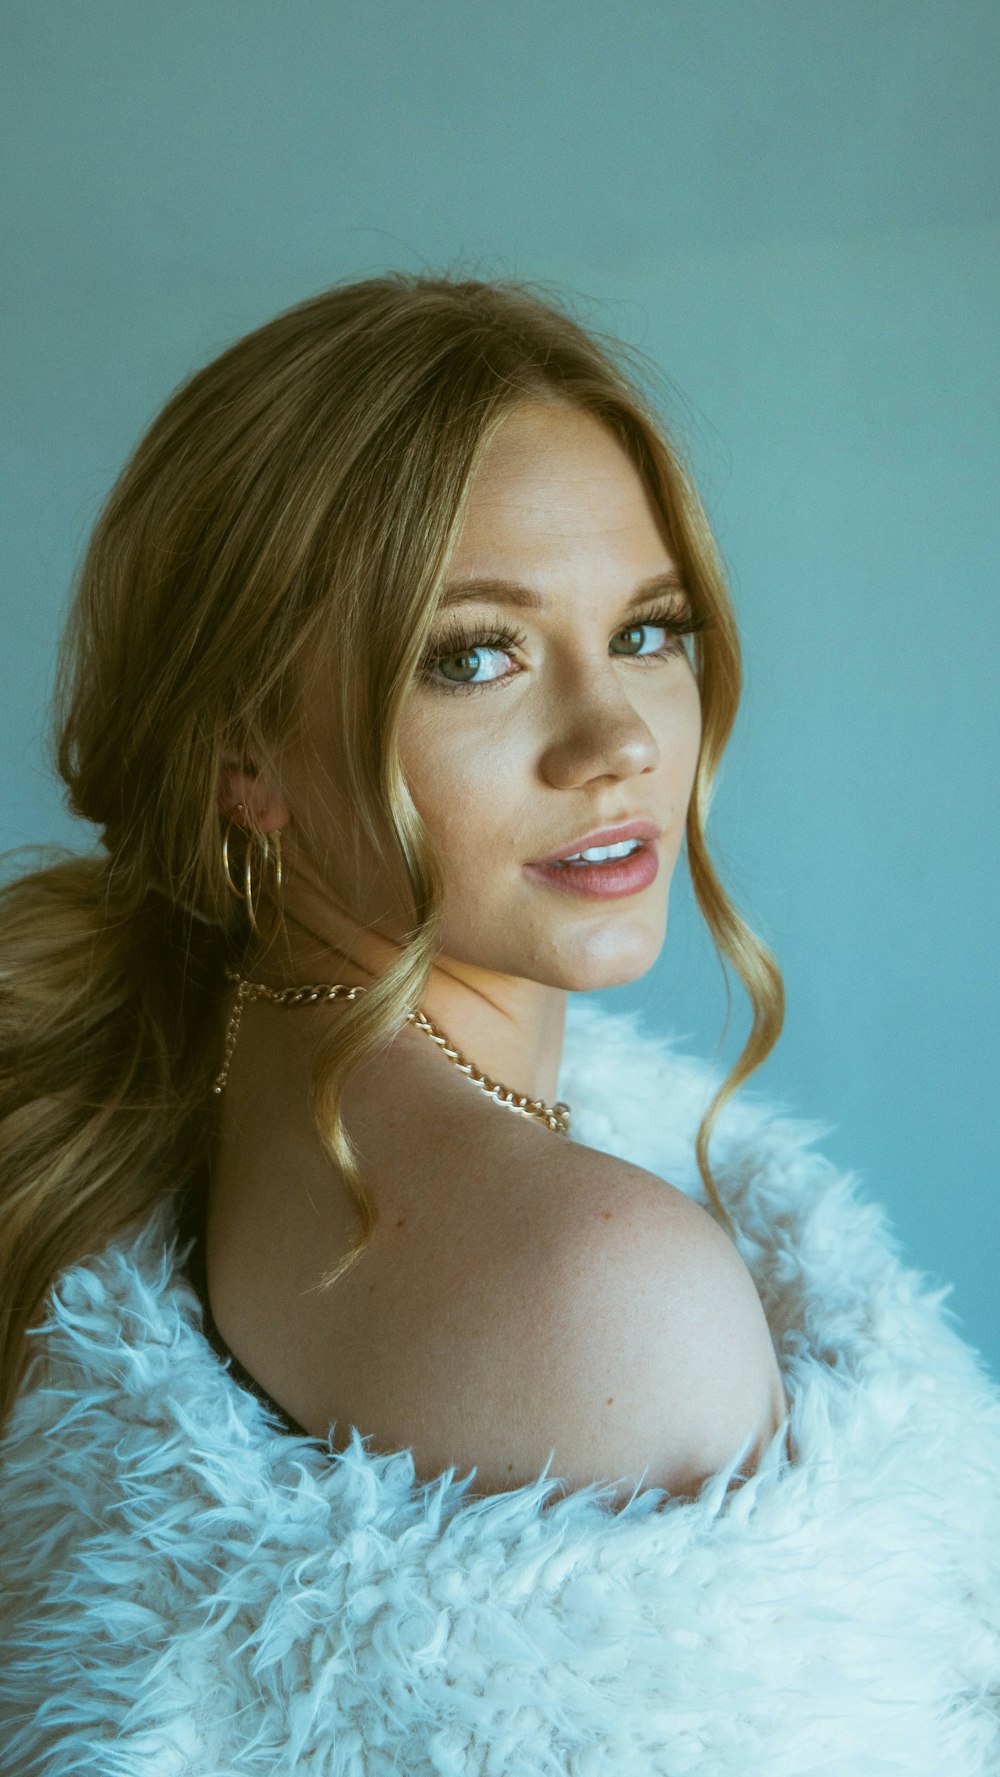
(554, 1116)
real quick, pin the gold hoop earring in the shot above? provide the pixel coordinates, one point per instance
(268, 845)
(226, 871)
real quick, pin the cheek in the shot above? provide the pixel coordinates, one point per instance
(683, 742)
(465, 790)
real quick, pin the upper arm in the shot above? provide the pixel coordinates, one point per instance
(658, 1362)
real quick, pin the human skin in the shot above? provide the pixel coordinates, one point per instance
(569, 734)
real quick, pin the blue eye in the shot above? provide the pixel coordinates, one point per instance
(457, 643)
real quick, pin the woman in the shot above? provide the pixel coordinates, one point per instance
(401, 662)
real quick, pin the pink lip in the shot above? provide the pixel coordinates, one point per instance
(602, 882)
(638, 829)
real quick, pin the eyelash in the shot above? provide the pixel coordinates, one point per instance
(456, 640)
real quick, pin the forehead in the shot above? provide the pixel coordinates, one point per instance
(555, 477)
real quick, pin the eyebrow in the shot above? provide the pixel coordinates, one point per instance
(512, 592)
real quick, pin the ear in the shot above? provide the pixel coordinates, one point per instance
(251, 797)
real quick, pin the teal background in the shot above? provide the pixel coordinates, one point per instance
(792, 208)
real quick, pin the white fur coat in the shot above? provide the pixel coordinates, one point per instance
(188, 1591)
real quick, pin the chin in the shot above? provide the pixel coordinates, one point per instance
(611, 961)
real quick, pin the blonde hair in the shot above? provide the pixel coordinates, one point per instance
(304, 487)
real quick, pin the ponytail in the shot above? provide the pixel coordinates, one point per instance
(107, 997)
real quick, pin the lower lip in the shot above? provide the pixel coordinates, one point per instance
(602, 882)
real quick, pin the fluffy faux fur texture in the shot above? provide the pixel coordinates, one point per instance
(189, 1592)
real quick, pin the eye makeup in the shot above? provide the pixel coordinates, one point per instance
(458, 637)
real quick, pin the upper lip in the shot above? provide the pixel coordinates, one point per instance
(637, 829)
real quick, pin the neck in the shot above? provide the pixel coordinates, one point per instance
(511, 1027)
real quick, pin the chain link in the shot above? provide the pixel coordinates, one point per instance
(555, 1117)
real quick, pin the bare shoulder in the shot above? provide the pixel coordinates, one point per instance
(553, 1302)
(641, 1344)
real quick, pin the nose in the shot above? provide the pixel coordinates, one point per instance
(598, 732)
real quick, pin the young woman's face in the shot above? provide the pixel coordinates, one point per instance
(517, 747)
(586, 717)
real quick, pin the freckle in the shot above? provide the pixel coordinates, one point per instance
(371, 1286)
(401, 1222)
(606, 1213)
(510, 1468)
(611, 1400)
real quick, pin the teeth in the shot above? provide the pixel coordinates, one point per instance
(597, 853)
